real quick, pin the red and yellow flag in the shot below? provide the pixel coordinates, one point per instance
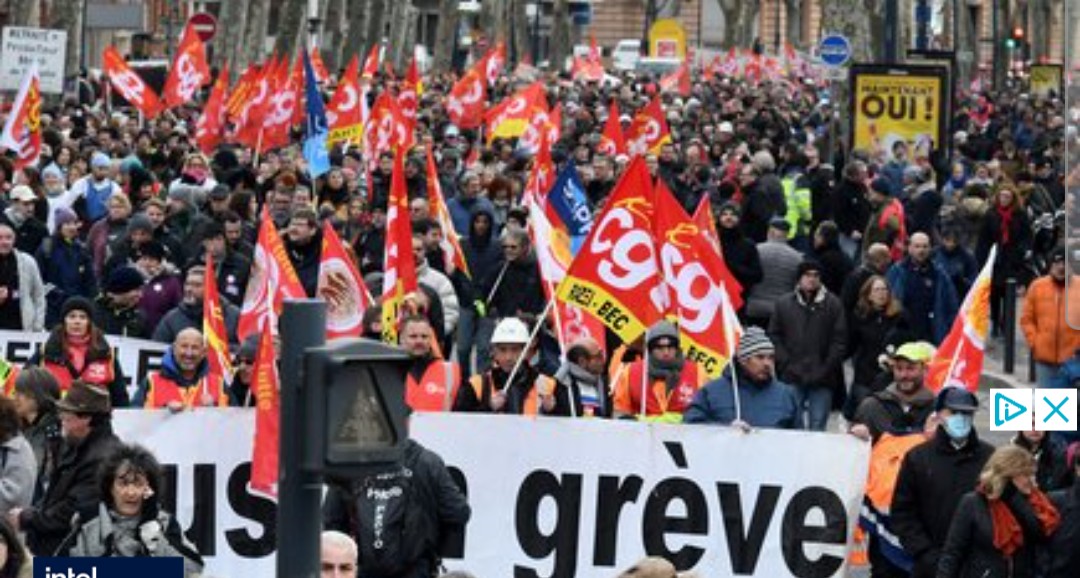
(217, 338)
(344, 112)
(399, 278)
(453, 256)
(264, 452)
(189, 70)
(511, 117)
(466, 101)
(616, 275)
(22, 131)
(342, 287)
(959, 360)
(130, 85)
(272, 280)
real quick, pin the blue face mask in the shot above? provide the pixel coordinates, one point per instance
(958, 425)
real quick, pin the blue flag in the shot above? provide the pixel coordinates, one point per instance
(316, 130)
(568, 201)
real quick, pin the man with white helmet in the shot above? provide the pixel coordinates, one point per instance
(530, 393)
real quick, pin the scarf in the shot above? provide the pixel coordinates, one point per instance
(1006, 214)
(1008, 535)
(77, 347)
(669, 371)
(579, 374)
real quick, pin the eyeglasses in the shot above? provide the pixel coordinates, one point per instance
(514, 247)
(346, 568)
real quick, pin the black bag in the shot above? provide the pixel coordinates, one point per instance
(384, 516)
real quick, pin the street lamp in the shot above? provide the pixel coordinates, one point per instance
(313, 22)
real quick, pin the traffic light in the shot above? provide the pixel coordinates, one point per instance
(355, 405)
(1016, 39)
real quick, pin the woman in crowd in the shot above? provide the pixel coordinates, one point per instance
(76, 349)
(65, 264)
(108, 231)
(876, 326)
(35, 397)
(1006, 225)
(130, 522)
(18, 472)
(998, 527)
(1051, 472)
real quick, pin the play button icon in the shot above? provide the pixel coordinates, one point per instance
(1011, 410)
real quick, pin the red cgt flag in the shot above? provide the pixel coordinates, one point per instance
(211, 125)
(272, 280)
(959, 360)
(493, 62)
(649, 131)
(695, 286)
(385, 130)
(703, 218)
(371, 63)
(264, 452)
(130, 85)
(399, 277)
(280, 111)
(318, 66)
(22, 131)
(612, 142)
(465, 103)
(342, 287)
(616, 276)
(189, 70)
(344, 112)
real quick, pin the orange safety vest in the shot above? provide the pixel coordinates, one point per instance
(161, 391)
(661, 402)
(532, 401)
(438, 387)
(99, 373)
(8, 373)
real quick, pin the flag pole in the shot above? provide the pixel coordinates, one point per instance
(532, 337)
(735, 387)
(952, 364)
(558, 322)
(644, 377)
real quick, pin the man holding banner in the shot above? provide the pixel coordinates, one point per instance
(661, 386)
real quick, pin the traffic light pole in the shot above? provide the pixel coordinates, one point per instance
(303, 326)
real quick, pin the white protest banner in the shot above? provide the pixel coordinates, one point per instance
(207, 458)
(22, 46)
(137, 357)
(558, 497)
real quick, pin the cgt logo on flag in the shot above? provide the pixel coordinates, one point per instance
(108, 567)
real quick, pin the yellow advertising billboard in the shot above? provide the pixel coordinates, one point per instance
(667, 39)
(1045, 78)
(898, 103)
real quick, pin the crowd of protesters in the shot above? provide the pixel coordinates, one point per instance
(845, 257)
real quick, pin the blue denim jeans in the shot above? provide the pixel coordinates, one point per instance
(1045, 373)
(815, 402)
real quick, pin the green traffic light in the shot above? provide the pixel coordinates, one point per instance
(1010, 43)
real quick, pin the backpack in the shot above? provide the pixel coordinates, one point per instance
(383, 517)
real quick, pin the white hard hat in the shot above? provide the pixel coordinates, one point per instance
(510, 331)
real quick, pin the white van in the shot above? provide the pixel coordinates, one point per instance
(626, 54)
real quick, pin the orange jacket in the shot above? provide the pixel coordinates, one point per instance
(1051, 339)
(161, 391)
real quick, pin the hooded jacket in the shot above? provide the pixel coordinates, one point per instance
(187, 315)
(885, 412)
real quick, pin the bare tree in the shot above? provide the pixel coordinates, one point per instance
(740, 17)
(67, 15)
(793, 30)
(355, 36)
(256, 25)
(446, 34)
(333, 34)
(25, 12)
(519, 24)
(230, 38)
(860, 21)
(560, 33)
(290, 22)
(376, 22)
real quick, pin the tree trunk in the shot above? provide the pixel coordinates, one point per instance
(561, 46)
(25, 13)
(376, 24)
(258, 20)
(445, 35)
(519, 22)
(1039, 30)
(332, 35)
(397, 48)
(290, 22)
(231, 38)
(67, 15)
(861, 21)
(356, 32)
(794, 27)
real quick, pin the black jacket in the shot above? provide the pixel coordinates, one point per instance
(519, 290)
(810, 339)
(72, 490)
(850, 208)
(763, 201)
(969, 551)
(440, 510)
(741, 257)
(1064, 550)
(932, 479)
(305, 259)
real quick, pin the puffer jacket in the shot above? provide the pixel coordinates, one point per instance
(1051, 339)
